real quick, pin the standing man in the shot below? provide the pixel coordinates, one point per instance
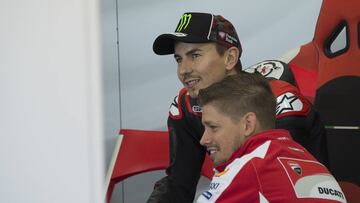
(255, 162)
(207, 48)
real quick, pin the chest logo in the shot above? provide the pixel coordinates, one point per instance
(295, 167)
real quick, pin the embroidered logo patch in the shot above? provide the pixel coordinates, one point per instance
(295, 167)
(269, 69)
(174, 110)
(288, 102)
(196, 109)
(311, 179)
(207, 194)
(184, 22)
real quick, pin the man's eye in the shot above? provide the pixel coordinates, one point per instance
(194, 56)
(213, 127)
(178, 60)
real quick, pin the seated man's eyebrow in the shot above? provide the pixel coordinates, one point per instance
(193, 51)
(205, 122)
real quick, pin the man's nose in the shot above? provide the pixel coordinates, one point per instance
(205, 139)
(185, 67)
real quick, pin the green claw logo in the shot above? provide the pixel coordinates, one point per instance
(184, 22)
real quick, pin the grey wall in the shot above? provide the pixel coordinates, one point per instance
(148, 83)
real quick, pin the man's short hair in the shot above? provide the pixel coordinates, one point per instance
(241, 93)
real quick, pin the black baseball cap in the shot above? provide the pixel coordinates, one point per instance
(198, 28)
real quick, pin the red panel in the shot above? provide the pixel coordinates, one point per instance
(141, 151)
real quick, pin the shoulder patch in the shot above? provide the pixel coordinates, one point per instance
(174, 107)
(192, 106)
(273, 69)
(175, 111)
(268, 68)
(288, 103)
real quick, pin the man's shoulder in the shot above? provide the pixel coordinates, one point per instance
(273, 69)
(280, 87)
(289, 100)
(175, 110)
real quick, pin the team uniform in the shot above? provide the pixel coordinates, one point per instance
(294, 113)
(271, 167)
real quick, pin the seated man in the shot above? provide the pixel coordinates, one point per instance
(255, 162)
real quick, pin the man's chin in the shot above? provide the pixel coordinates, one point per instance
(193, 93)
(216, 163)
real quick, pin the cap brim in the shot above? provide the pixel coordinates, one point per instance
(164, 44)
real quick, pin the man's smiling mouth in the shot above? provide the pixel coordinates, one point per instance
(191, 83)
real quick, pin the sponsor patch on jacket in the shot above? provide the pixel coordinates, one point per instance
(269, 69)
(174, 110)
(196, 109)
(207, 194)
(288, 102)
(330, 191)
(295, 167)
(311, 179)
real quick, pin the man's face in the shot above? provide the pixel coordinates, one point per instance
(222, 135)
(199, 65)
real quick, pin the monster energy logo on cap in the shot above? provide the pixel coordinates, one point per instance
(184, 22)
(198, 28)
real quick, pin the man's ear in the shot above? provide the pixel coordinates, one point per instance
(251, 124)
(232, 57)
